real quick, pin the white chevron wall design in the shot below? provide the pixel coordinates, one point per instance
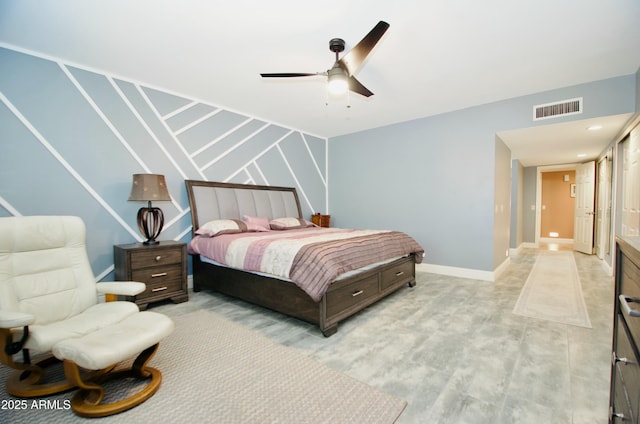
(70, 139)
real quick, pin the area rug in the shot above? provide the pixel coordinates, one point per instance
(215, 371)
(553, 291)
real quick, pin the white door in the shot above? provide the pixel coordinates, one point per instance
(583, 220)
(603, 210)
(630, 214)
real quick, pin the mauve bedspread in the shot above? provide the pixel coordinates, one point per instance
(312, 257)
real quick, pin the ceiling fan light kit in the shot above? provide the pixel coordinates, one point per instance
(338, 83)
(340, 77)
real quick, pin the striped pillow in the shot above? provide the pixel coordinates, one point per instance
(289, 223)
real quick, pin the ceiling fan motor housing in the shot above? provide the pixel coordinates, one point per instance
(336, 45)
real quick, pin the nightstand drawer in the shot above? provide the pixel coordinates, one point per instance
(159, 288)
(157, 275)
(154, 258)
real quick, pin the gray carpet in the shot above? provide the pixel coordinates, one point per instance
(218, 371)
(553, 291)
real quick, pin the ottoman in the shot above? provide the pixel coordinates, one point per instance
(138, 334)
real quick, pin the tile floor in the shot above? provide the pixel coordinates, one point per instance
(452, 348)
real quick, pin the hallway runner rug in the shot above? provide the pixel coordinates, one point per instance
(553, 291)
(216, 371)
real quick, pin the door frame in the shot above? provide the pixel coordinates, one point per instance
(539, 171)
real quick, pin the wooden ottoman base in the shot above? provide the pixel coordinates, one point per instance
(136, 336)
(26, 382)
(87, 401)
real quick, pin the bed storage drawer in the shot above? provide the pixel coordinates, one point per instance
(400, 273)
(351, 294)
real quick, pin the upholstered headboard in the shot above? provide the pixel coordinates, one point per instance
(213, 200)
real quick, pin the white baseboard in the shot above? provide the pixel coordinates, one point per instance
(473, 274)
(608, 268)
(555, 240)
(514, 251)
(501, 268)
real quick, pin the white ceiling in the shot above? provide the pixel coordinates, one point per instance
(563, 143)
(435, 57)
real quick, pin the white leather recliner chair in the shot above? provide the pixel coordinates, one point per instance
(49, 304)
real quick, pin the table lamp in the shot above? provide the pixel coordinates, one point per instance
(149, 187)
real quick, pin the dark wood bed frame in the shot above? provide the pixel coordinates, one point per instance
(346, 296)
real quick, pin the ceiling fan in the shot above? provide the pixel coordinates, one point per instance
(340, 76)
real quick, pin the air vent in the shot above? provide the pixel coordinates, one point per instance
(553, 110)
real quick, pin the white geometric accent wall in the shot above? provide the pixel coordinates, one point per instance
(71, 138)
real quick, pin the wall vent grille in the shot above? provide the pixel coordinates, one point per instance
(553, 110)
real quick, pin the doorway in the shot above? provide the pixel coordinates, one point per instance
(558, 204)
(555, 214)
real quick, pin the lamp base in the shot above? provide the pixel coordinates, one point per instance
(150, 223)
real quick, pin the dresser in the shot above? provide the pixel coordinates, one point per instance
(624, 401)
(162, 267)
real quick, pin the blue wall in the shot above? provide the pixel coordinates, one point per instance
(71, 138)
(434, 177)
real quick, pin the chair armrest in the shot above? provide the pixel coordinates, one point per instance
(123, 288)
(9, 319)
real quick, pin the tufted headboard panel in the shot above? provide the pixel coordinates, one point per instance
(213, 200)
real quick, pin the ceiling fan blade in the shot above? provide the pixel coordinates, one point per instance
(352, 60)
(357, 87)
(288, 75)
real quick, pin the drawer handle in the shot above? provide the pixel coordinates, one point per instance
(162, 274)
(617, 415)
(624, 301)
(157, 289)
(398, 274)
(358, 293)
(615, 359)
(158, 258)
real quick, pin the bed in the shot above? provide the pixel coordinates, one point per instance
(342, 283)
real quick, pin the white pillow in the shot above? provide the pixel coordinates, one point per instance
(222, 226)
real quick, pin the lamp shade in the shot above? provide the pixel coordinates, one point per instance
(149, 187)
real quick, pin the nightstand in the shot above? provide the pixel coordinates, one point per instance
(321, 220)
(162, 267)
